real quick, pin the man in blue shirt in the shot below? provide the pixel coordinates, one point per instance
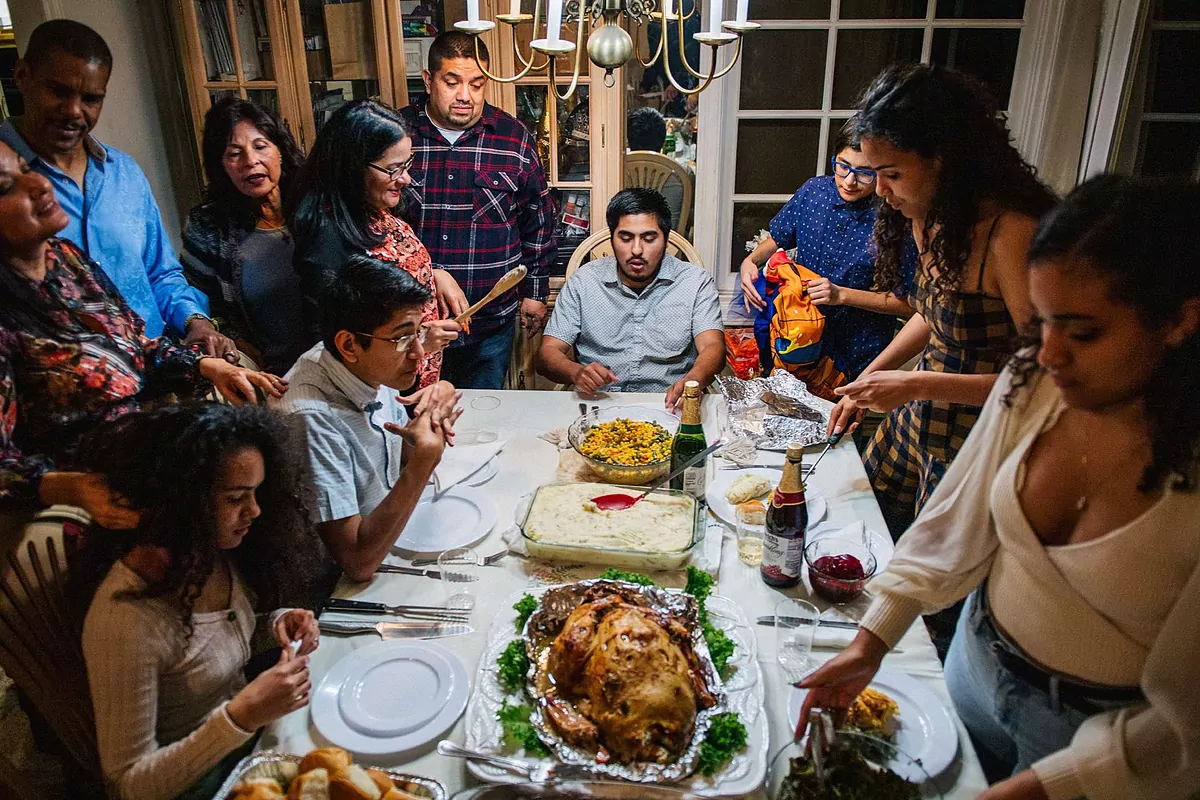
(113, 215)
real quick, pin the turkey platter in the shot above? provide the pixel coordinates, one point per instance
(622, 677)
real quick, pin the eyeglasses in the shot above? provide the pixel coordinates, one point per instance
(405, 342)
(394, 172)
(863, 175)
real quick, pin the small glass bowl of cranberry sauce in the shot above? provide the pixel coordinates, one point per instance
(838, 568)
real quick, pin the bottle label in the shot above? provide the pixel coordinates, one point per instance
(782, 556)
(693, 480)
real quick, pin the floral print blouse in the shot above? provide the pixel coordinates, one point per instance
(402, 247)
(91, 362)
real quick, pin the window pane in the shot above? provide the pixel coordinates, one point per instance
(574, 150)
(775, 156)
(1177, 10)
(1173, 85)
(748, 220)
(988, 54)
(254, 40)
(531, 110)
(835, 126)
(883, 9)
(572, 223)
(783, 69)
(217, 95)
(268, 98)
(862, 53)
(789, 9)
(981, 9)
(339, 51)
(1169, 148)
(214, 40)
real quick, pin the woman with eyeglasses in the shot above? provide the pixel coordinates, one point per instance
(237, 249)
(345, 203)
(829, 223)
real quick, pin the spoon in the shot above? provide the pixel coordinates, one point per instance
(506, 282)
(620, 502)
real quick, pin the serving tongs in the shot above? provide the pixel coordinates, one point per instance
(820, 737)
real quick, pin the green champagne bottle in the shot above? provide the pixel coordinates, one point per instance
(689, 440)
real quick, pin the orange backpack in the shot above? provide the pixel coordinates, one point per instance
(796, 327)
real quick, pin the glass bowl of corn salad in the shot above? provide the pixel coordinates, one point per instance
(625, 444)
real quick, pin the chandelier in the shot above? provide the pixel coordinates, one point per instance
(610, 46)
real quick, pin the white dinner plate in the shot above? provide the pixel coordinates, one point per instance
(925, 728)
(459, 518)
(882, 545)
(390, 697)
(725, 478)
(484, 473)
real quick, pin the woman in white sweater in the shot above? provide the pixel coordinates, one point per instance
(167, 635)
(1072, 519)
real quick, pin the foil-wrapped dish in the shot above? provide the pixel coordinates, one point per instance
(775, 411)
(622, 679)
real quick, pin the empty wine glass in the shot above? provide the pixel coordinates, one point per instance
(795, 624)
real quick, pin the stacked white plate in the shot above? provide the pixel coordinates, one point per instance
(459, 518)
(390, 697)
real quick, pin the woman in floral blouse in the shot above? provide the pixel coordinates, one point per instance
(72, 353)
(344, 204)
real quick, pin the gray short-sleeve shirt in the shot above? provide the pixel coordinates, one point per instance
(647, 338)
(352, 460)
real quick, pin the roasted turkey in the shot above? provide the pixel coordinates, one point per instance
(623, 681)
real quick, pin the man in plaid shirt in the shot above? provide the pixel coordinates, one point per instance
(479, 202)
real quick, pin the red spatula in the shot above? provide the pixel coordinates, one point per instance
(620, 502)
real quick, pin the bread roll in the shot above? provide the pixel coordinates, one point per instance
(258, 789)
(753, 512)
(747, 487)
(381, 780)
(330, 759)
(353, 783)
(310, 785)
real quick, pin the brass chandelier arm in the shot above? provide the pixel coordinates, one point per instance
(498, 79)
(575, 70)
(712, 75)
(528, 64)
(683, 54)
(653, 58)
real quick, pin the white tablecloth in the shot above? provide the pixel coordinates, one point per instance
(528, 462)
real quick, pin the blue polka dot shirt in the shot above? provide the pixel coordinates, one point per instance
(833, 239)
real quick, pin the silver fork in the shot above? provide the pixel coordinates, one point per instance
(537, 772)
(487, 562)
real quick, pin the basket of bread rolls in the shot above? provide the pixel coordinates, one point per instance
(325, 774)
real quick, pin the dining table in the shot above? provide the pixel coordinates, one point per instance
(527, 460)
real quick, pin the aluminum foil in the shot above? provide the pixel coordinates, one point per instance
(790, 413)
(545, 624)
(269, 764)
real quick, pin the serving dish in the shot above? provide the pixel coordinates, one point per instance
(627, 558)
(637, 475)
(878, 754)
(607, 790)
(743, 686)
(269, 764)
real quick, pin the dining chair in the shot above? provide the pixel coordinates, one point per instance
(40, 646)
(599, 245)
(651, 170)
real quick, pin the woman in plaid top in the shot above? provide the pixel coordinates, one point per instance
(946, 168)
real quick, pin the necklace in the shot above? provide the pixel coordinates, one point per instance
(1090, 488)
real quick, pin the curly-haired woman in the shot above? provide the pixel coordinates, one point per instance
(237, 248)
(167, 634)
(1070, 518)
(948, 174)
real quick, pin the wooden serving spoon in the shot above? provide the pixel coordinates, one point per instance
(506, 282)
(620, 502)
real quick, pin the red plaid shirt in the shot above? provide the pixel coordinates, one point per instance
(481, 206)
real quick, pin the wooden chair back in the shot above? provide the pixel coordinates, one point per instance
(651, 170)
(599, 245)
(40, 646)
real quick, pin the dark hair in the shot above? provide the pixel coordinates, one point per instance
(331, 187)
(219, 123)
(364, 294)
(70, 37)
(455, 44)
(943, 114)
(638, 200)
(645, 129)
(847, 136)
(1143, 229)
(166, 464)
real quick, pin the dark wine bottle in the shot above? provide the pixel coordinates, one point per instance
(689, 440)
(787, 522)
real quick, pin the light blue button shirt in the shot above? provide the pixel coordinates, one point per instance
(116, 221)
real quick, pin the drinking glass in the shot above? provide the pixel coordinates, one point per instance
(460, 573)
(485, 402)
(751, 523)
(795, 624)
(467, 436)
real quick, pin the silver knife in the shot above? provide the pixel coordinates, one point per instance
(401, 570)
(769, 619)
(396, 630)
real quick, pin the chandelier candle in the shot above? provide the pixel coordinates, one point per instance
(743, 11)
(473, 12)
(714, 17)
(514, 8)
(689, 440)
(554, 21)
(787, 522)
